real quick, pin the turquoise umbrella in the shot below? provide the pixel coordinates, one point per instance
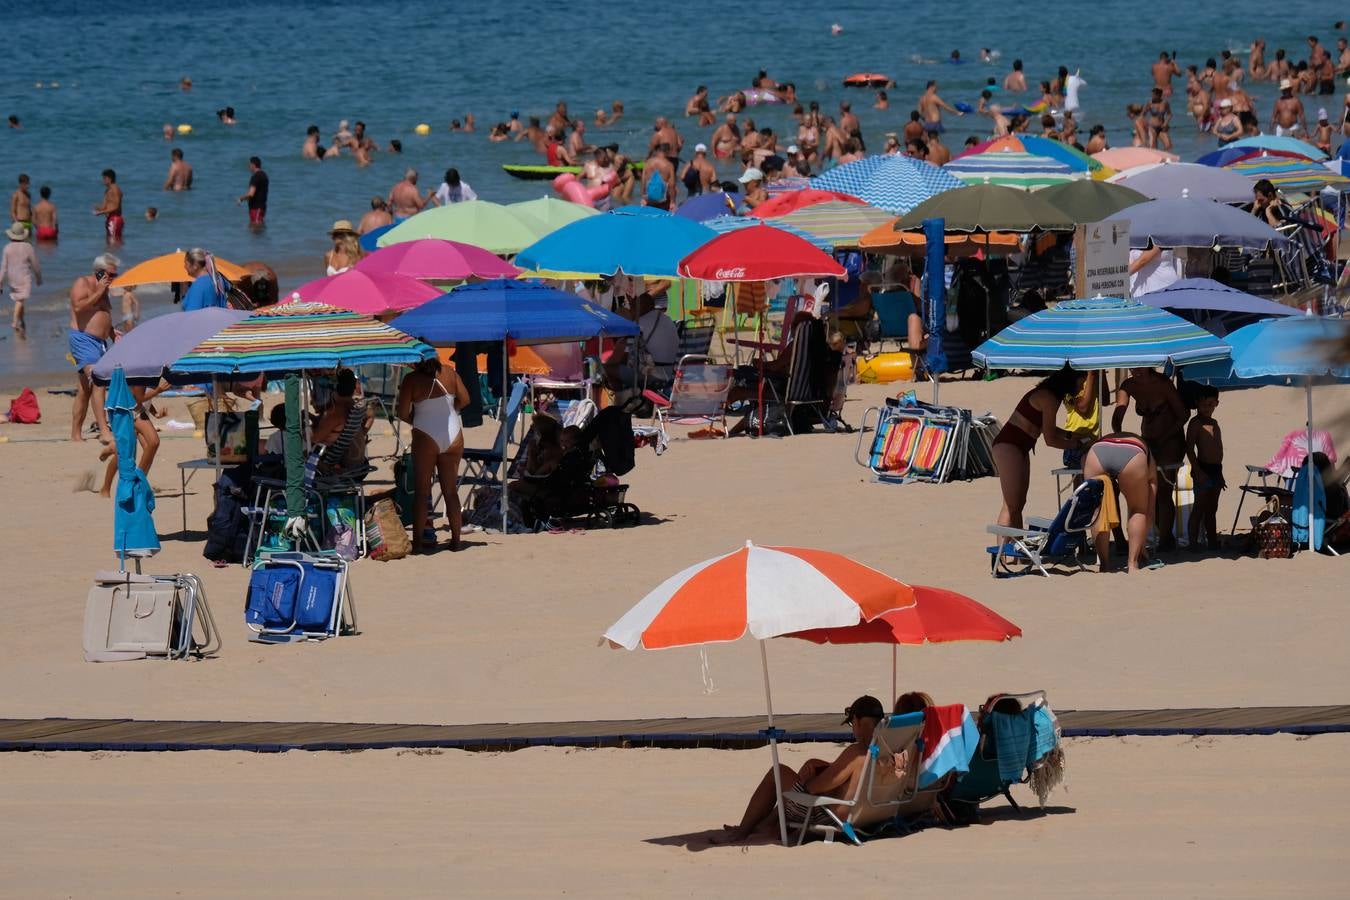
(646, 244)
(133, 525)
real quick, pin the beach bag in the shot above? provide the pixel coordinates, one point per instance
(656, 190)
(342, 537)
(1273, 533)
(23, 409)
(386, 536)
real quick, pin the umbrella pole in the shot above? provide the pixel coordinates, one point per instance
(1311, 464)
(506, 444)
(773, 745)
(220, 425)
(895, 681)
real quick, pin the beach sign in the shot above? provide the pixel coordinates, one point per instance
(1103, 259)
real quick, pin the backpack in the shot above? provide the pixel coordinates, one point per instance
(23, 409)
(656, 189)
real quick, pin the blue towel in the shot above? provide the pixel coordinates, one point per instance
(1013, 738)
(1046, 739)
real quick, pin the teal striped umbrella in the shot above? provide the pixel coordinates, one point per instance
(1290, 174)
(1101, 333)
(1012, 168)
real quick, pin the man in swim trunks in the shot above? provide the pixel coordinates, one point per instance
(1162, 422)
(88, 338)
(931, 107)
(21, 205)
(377, 217)
(664, 133)
(1164, 70)
(1016, 80)
(559, 118)
(180, 173)
(112, 208)
(659, 168)
(726, 140)
(256, 195)
(44, 216)
(1287, 118)
(405, 199)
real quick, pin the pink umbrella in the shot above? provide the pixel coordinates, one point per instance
(433, 259)
(369, 293)
(1122, 158)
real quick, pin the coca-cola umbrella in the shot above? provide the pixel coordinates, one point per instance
(758, 253)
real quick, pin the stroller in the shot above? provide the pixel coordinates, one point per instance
(585, 486)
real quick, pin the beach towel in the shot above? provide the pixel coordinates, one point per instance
(1108, 515)
(1295, 446)
(1012, 740)
(949, 740)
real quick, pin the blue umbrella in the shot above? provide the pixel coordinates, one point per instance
(1212, 302)
(1196, 223)
(145, 351)
(896, 184)
(646, 245)
(1223, 156)
(370, 240)
(708, 206)
(1284, 351)
(1101, 333)
(1277, 142)
(523, 311)
(723, 224)
(133, 525)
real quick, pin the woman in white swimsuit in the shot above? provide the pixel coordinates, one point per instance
(429, 399)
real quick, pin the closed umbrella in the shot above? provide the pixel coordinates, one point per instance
(482, 223)
(1175, 181)
(1090, 201)
(148, 349)
(433, 259)
(896, 184)
(646, 245)
(370, 293)
(764, 592)
(1197, 223)
(1013, 169)
(134, 502)
(842, 224)
(1101, 333)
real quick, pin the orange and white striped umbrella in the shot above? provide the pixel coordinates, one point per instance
(765, 591)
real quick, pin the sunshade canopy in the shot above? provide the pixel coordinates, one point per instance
(1208, 295)
(937, 616)
(370, 293)
(491, 226)
(723, 224)
(170, 268)
(647, 244)
(1279, 142)
(896, 184)
(790, 201)
(760, 253)
(1289, 173)
(552, 211)
(1281, 351)
(145, 351)
(433, 259)
(1176, 181)
(988, 207)
(1090, 201)
(1122, 158)
(524, 311)
(1013, 168)
(838, 222)
(1074, 158)
(1197, 223)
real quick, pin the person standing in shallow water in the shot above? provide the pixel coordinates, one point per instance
(111, 208)
(256, 195)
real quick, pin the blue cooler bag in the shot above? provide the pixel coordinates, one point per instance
(294, 595)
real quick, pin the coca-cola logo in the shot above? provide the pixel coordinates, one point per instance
(730, 274)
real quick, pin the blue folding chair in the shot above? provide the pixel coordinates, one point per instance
(1048, 542)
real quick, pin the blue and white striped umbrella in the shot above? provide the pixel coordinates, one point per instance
(1013, 169)
(1101, 333)
(896, 184)
(723, 224)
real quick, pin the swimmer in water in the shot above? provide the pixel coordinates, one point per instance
(226, 115)
(111, 208)
(180, 173)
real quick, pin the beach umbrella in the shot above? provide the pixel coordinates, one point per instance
(885, 239)
(938, 616)
(723, 224)
(759, 253)
(708, 206)
(366, 292)
(293, 337)
(134, 502)
(1122, 158)
(491, 226)
(1287, 351)
(985, 208)
(790, 201)
(644, 245)
(433, 259)
(835, 221)
(1013, 169)
(552, 211)
(370, 241)
(1279, 142)
(169, 268)
(1216, 307)
(144, 352)
(1101, 333)
(1289, 173)
(1176, 181)
(1075, 159)
(764, 592)
(1197, 223)
(1090, 201)
(1225, 155)
(894, 183)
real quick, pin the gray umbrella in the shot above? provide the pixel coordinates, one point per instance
(1178, 181)
(156, 343)
(1197, 223)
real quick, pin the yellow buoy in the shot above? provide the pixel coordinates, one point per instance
(185, 128)
(423, 128)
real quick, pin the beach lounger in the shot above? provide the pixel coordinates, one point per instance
(1019, 737)
(698, 394)
(481, 466)
(893, 309)
(566, 371)
(1048, 542)
(134, 616)
(880, 795)
(807, 379)
(298, 597)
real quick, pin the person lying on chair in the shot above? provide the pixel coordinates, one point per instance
(816, 776)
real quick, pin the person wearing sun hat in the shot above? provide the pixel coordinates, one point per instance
(20, 270)
(752, 184)
(346, 250)
(1321, 135)
(1227, 127)
(1287, 119)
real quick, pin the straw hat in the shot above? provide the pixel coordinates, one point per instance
(16, 232)
(1286, 84)
(341, 226)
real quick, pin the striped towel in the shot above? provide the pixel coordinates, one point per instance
(949, 740)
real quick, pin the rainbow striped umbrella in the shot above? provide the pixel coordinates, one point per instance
(1290, 174)
(1012, 168)
(842, 224)
(1101, 333)
(298, 336)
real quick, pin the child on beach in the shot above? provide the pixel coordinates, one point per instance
(1204, 451)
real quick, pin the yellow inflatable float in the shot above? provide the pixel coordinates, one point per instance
(883, 368)
(423, 128)
(185, 128)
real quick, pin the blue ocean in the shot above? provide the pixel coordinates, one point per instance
(93, 83)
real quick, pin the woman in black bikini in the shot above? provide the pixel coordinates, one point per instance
(1033, 418)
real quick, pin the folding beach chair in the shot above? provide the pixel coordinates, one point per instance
(893, 441)
(807, 385)
(698, 394)
(133, 616)
(696, 335)
(1019, 735)
(880, 795)
(299, 597)
(893, 309)
(566, 371)
(1048, 542)
(935, 448)
(481, 466)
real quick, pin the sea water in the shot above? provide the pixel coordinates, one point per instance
(94, 83)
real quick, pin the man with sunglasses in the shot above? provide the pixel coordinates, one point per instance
(89, 336)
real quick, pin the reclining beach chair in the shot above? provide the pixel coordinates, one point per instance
(807, 380)
(299, 597)
(936, 447)
(696, 334)
(481, 466)
(880, 795)
(1048, 542)
(893, 441)
(566, 371)
(1019, 735)
(698, 394)
(133, 616)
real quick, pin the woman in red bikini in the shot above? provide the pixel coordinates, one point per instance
(1033, 418)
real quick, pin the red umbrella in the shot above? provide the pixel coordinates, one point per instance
(369, 293)
(758, 253)
(789, 201)
(433, 259)
(937, 616)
